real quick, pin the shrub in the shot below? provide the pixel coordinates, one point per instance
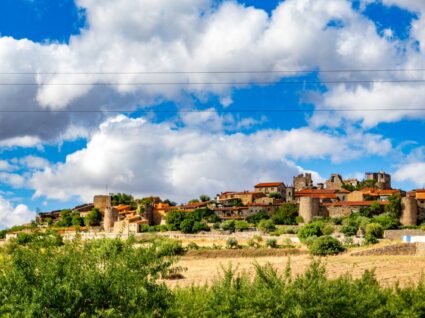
(299, 219)
(257, 217)
(187, 226)
(173, 219)
(241, 225)
(253, 243)
(328, 229)
(266, 226)
(286, 214)
(349, 230)
(308, 230)
(39, 239)
(228, 225)
(167, 247)
(192, 246)
(373, 232)
(213, 219)
(387, 221)
(326, 245)
(272, 243)
(200, 226)
(232, 243)
(216, 226)
(93, 218)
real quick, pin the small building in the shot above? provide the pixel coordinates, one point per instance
(334, 182)
(303, 181)
(369, 194)
(324, 195)
(271, 187)
(382, 179)
(246, 197)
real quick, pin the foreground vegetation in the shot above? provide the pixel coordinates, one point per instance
(41, 276)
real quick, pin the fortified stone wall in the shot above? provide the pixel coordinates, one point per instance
(309, 208)
(102, 202)
(409, 215)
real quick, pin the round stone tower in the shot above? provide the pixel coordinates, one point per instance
(309, 208)
(102, 202)
(409, 213)
(109, 218)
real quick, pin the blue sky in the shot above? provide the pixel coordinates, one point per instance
(250, 127)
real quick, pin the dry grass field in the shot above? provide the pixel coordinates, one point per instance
(388, 269)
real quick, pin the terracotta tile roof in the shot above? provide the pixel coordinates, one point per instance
(315, 191)
(354, 203)
(122, 207)
(376, 192)
(269, 184)
(420, 196)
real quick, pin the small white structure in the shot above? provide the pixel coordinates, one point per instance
(413, 239)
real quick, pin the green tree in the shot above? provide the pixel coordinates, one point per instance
(326, 245)
(173, 219)
(186, 226)
(266, 226)
(93, 218)
(241, 225)
(394, 206)
(204, 198)
(65, 219)
(257, 217)
(373, 232)
(275, 195)
(310, 230)
(286, 214)
(122, 198)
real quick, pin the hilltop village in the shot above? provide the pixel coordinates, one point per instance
(337, 197)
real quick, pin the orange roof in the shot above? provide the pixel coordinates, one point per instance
(354, 203)
(420, 196)
(122, 207)
(375, 192)
(315, 191)
(343, 191)
(420, 190)
(269, 184)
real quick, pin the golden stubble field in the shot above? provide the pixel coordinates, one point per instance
(388, 269)
(204, 266)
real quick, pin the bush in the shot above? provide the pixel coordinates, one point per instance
(272, 243)
(257, 217)
(373, 232)
(187, 226)
(266, 226)
(387, 221)
(93, 218)
(326, 245)
(308, 230)
(253, 243)
(328, 229)
(173, 219)
(200, 226)
(228, 225)
(213, 219)
(39, 239)
(241, 225)
(349, 230)
(232, 243)
(100, 278)
(144, 228)
(286, 214)
(216, 226)
(299, 219)
(167, 247)
(192, 246)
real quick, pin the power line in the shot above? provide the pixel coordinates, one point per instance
(213, 111)
(411, 81)
(222, 72)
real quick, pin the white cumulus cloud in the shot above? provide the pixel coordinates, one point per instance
(14, 215)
